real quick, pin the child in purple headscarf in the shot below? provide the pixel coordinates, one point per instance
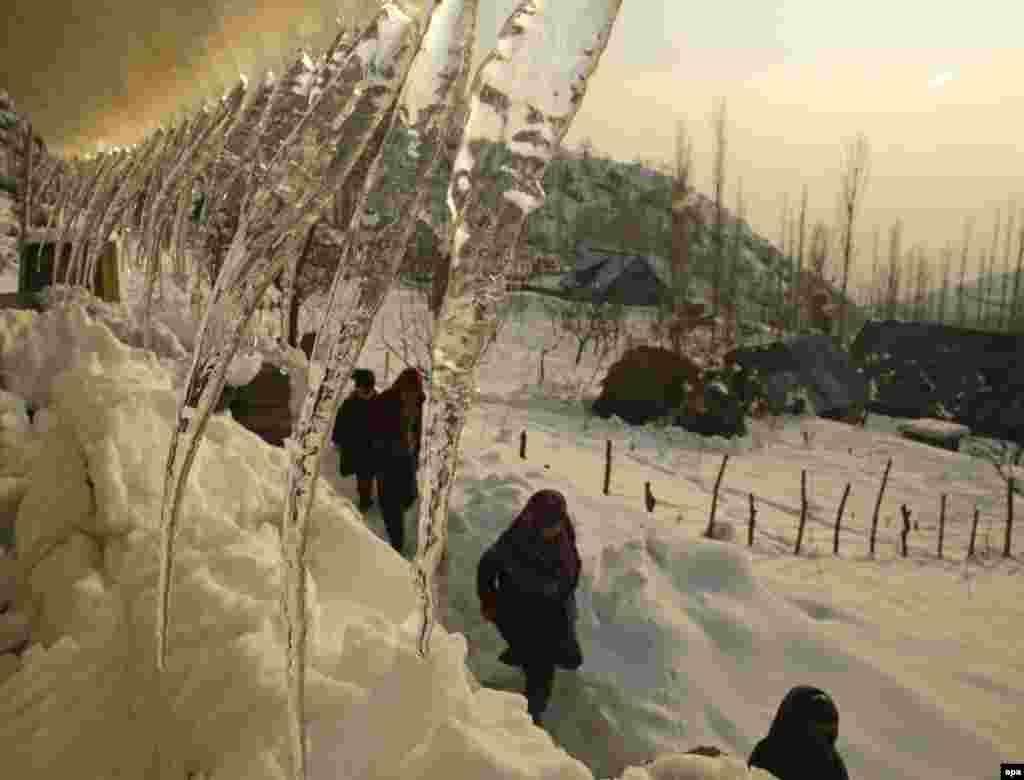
(527, 583)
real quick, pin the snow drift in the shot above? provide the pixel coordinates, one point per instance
(683, 644)
(83, 702)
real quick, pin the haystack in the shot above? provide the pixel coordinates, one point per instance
(647, 383)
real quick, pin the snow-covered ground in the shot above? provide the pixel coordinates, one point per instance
(686, 641)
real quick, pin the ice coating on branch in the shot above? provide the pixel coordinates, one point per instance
(350, 312)
(525, 96)
(256, 256)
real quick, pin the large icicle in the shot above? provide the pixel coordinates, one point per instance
(90, 173)
(209, 128)
(105, 189)
(377, 66)
(131, 182)
(363, 278)
(525, 96)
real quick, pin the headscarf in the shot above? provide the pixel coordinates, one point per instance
(792, 751)
(546, 509)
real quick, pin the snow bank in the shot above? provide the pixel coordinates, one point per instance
(82, 702)
(683, 645)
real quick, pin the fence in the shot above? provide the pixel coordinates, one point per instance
(907, 512)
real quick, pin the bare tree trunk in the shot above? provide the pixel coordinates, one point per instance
(893, 292)
(961, 302)
(979, 316)
(719, 124)
(855, 174)
(990, 277)
(1017, 279)
(782, 256)
(947, 254)
(737, 243)
(681, 216)
(1004, 309)
(876, 280)
(800, 252)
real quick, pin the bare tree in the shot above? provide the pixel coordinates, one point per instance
(876, 281)
(979, 315)
(782, 258)
(719, 129)
(989, 277)
(961, 301)
(734, 260)
(947, 259)
(681, 216)
(893, 278)
(801, 235)
(922, 281)
(598, 324)
(1004, 310)
(856, 156)
(1015, 316)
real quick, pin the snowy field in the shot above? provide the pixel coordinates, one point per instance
(686, 642)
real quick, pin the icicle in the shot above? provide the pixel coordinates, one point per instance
(209, 128)
(342, 335)
(105, 187)
(237, 290)
(88, 174)
(525, 96)
(132, 182)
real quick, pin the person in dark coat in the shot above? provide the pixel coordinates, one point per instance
(395, 421)
(352, 436)
(527, 582)
(801, 743)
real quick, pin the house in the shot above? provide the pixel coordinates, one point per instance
(619, 277)
(921, 368)
(834, 387)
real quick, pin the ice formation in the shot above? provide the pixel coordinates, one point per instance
(524, 98)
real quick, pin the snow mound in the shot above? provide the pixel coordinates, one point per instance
(683, 645)
(83, 695)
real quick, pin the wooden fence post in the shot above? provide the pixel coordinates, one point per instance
(942, 523)
(803, 510)
(906, 529)
(522, 445)
(607, 466)
(714, 499)
(878, 506)
(839, 519)
(974, 532)
(649, 500)
(1009, 518)
(753, 520)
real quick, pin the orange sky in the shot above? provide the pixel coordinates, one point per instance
(938, 93)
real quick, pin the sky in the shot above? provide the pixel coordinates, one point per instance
(935, 88)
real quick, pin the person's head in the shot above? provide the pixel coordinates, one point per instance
(548, 514)
(809, 712)
(410, 385)
(365, 381)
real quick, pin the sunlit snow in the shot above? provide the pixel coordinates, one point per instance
(686, 641)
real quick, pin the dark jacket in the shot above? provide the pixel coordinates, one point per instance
(792, 751)
(535, 601)
(393, 427)
(352, 434)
